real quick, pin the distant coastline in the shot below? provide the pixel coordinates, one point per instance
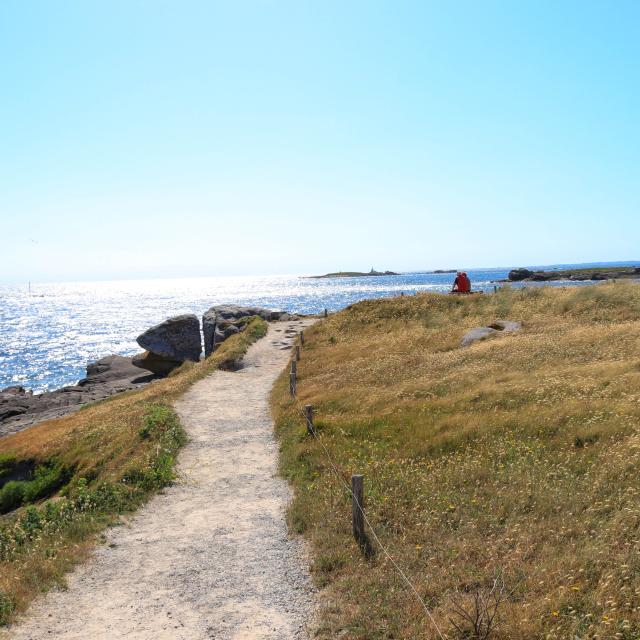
(354, 274)
(576, 275)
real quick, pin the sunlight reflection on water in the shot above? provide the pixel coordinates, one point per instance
(47, 339)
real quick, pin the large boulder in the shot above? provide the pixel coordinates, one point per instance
(155, 363)
(111, 368)
(477, 334)
(171, 343)
(482, 333)
(233, 312)
(209, 319)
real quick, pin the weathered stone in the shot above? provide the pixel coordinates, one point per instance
(218, 337)
(176, 339)
(515, 275)
(233, 312)
(477, 334)
(222, 321)
(10, 411)
(208, 330)
(506, 326)
(15, 390)
(156, 364)
(482, 333)
(111, 368)
(231, 330)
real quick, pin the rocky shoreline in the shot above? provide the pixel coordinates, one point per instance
(575, 275)
(167, 345)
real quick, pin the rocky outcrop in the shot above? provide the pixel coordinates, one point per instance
(516, 275)
(575, 275)
(156, 364)
(481, 333)
(20, 408)
(110, 369)
(168, 344)
(14, 401)
(222, 321)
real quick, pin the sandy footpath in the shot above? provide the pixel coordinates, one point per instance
(210, 557)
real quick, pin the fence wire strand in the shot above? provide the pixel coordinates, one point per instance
(338, 475)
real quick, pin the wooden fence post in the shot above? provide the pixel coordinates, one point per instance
(495, 288)
(302, 338)
(297, 352)
(308, 413)
(292, 380)
(325, 313)
(357, 508)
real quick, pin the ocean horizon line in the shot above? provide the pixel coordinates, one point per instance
(532, 266)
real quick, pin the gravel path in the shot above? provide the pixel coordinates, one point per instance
(210, 557)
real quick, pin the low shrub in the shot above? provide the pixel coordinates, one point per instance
(46, 480)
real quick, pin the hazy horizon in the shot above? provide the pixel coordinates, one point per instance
(591, 263)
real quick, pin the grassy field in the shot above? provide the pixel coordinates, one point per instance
(502, 477)
(85, 470)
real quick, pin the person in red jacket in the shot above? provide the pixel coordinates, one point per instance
(461, 284)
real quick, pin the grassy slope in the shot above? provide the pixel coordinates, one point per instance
(518, 456)
(120, 451)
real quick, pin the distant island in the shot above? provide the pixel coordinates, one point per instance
(356, 274)
(444, 271)
(578, 275)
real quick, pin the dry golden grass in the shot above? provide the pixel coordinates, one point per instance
(516, 457)
(120, 451)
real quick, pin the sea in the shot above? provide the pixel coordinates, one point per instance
(50, 332)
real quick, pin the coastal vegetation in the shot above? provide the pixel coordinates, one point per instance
(504, 472)
(63, 481)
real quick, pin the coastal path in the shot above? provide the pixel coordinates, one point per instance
(210, 557)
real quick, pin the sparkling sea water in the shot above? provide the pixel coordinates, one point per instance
(47, 338)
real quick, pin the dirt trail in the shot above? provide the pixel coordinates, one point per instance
(210, 557)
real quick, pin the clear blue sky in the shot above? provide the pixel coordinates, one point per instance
(151, 138)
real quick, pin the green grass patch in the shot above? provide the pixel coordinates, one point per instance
(46, 480)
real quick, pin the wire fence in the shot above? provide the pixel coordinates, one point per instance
(312, 430)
